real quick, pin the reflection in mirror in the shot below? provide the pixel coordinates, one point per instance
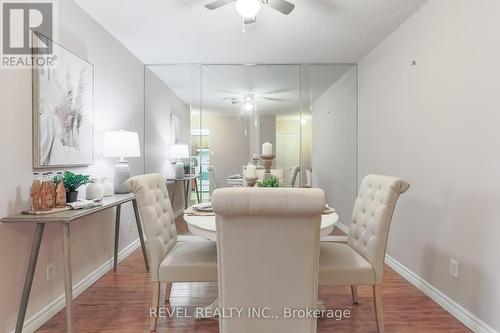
(225, 113)
(244, 107)
(171, 92)
(332, 96)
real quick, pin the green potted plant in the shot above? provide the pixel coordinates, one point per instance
(271, 181)
(187, 169)
(72, 182)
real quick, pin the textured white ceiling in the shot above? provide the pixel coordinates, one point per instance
(277, 88)
(183, 31)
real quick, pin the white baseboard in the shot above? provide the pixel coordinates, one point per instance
(456, 310)
(34, 322)
(179, 213)
(342, 227)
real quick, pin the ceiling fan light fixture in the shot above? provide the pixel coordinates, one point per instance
(248, 8)
(248, 106)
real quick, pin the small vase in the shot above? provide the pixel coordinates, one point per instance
(93, 190)
(71, 196)
(107, 187)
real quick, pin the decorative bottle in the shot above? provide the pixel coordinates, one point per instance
(60, 191)
(35, 192)
(51, 195)
(45, 201)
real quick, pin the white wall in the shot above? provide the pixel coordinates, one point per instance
(160, 102)
(118, 104)
(334, 144)
(267, 132)
(436, 125)
(227, 142)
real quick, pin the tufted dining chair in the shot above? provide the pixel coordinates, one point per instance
(170, 261)
(268, 252)
(294, 172)
(361, 260)
(212, 179)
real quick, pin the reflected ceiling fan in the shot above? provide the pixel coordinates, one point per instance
(248, 101)
(249, 9)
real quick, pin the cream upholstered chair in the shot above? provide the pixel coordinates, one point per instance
(294, 172)
(361, 260)
(268, 252)
(213, 180)
(169, 260)
(309, 178)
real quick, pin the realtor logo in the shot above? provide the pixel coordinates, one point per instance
(27, 32)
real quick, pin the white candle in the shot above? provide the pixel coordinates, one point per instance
(267, 149)
(251, 171)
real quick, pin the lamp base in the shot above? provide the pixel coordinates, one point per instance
(121, 175)
(179, 170)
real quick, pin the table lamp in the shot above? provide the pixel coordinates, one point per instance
(121, 144)
(178, 152)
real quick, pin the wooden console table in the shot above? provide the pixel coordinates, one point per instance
(65, 218)
(186, 185)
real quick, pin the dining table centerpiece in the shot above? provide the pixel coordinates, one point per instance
(271, 181)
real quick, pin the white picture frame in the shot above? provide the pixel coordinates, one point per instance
(175, 128)
(63, 112)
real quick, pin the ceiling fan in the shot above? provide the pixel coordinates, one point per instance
(248, 101)
(249, 9)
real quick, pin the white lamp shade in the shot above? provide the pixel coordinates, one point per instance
(179, 151)
(121, 144)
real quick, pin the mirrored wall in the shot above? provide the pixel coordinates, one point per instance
(216, 119)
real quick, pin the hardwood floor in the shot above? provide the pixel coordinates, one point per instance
(119, 302)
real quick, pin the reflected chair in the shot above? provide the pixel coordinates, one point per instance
(170, 261)
(268, 252)
(294, 172)
(213, 180)
(308, 178)
(361, 260)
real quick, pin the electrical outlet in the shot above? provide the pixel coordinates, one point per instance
(129, 225)
(51, 272)
(454, 268)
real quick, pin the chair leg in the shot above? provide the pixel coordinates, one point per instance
(377, 300)
(168, 289)
(354, 292)
(155, 304)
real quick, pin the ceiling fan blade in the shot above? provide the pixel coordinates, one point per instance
(217, 4)
(281, 6)
(274, 99)
(250, 20)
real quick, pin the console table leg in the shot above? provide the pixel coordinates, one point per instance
(68, 284)
(141, 234)
(28, 281)
(186, 194)
(117, 235)
(197, 189)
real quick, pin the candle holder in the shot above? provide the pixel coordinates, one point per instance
(267, 160)
(251, 181)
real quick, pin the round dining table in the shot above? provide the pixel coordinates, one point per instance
(204, 225)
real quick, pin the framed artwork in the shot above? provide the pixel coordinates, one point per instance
(63, 112)
(175, 128)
